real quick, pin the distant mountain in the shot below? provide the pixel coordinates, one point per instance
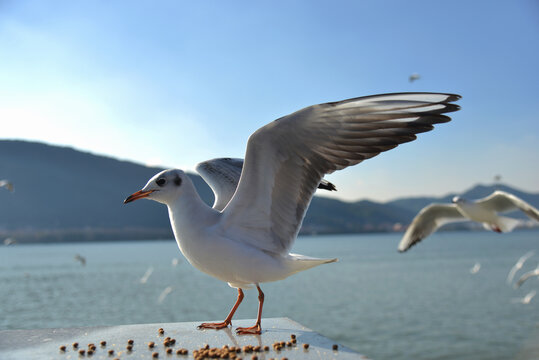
(62, 194)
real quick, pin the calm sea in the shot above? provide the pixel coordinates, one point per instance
(424, 304)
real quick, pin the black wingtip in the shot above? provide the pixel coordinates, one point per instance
(326, 185)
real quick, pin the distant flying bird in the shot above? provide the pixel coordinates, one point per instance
(475, 268)
(248, 242)
(7, 184)
(526, 276)
(223, 176)
(80, 259)
(9, 241)
(526, 299)
(146, 276)
(518, 265)
(414, 77)
(485, 210)
(164, 294)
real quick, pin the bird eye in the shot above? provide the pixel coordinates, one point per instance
(161, 182)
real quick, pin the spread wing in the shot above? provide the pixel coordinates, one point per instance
(427, 221)
(223, 175)
(286, 159)
(501, 201)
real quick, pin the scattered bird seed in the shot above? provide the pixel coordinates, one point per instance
(90, 352)
(254, 357)
(161, 331)
(130, 341)
(293, 336)
(82, 352)
(129, 348)
(103, 343)
(151, 344)
(335, 347)
(111, 352)
(266, 348)
(63, 348)
(305, 346)
(75, 345)
(169, 351)
(155, 355)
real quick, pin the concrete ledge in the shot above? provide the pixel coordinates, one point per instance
(45, 343)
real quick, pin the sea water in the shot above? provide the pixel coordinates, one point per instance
(423, 304)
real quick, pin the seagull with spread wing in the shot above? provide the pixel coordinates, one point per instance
(248, 241)
(484, 211)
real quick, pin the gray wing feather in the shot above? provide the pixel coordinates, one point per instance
(501, 201)
(222, 175)
(286, 159)
(427, 221)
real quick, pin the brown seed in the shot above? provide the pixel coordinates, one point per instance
(63, 348)
(166, 343)
(169, 351)
(111, 352)
(266, 348)
(103, 343)
(173, 341)
(294, 341)
(75, 345)
(256, 348)
(151, 344)
(289, 343)
(285, 358)
(254, 357)
(129, 347)
(206, 346)
(130, 341)
(155, 355)
(90, 352)
(305, 346)
(282, 343)
(82, 352)
(293, 336)
(335, 347)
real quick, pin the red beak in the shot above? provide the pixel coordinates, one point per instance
(138, 195)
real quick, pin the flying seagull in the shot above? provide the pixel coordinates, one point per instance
(414, 77)
(475, 269)
(249, 241)
(526, 299)
(526, 276)
(7, 184)
(223, 176)
(485, 210)
(518, 265)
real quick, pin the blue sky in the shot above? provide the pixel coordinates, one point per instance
(173, 83)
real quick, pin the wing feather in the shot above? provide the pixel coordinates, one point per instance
(501, 201)
(286, 159)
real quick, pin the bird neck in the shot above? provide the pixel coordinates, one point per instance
(189, 213)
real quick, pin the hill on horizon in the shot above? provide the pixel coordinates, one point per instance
(62, 194)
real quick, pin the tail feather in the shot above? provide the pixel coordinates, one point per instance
(302, 262)
(507, 224)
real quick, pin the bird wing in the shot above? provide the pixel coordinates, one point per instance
(526, 276)
(501, 201)
(286, 159)
(518, 265)
(222, 175)
(427, 221)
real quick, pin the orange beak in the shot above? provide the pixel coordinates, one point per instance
(138, 195)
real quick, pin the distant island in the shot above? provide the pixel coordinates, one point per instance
(62, 194)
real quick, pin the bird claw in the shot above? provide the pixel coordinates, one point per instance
(253, 330)
(216, 326)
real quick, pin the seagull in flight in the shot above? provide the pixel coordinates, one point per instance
(7, 184)
(526, 299)
(248, 242)
(519, 265)
(485, 211)
(526, 276)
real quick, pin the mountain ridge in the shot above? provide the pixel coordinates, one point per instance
(63, 194)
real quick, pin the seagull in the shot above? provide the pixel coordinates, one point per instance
(475, 268)
(485, 210)
(164, 294)
(248, 242)
(518, 265)
(414, 77)
(80, 259)
(526, 276)
(526, 299)
(223, 176)
(146, 276)
(7, 184)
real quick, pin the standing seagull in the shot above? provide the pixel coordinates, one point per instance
(249, 241)
(485, 210)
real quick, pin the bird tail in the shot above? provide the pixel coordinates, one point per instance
(507, 224)
(301, 262)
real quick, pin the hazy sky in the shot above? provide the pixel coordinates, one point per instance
(173, 83)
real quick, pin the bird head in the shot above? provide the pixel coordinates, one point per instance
(165, 187)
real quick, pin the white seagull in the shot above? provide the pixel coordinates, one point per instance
(248, 242)
(485, 210)
(526, 276)
(475, 269)
(7, 184)
(518, 265)
(526, 299)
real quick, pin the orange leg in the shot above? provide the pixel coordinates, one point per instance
(228, 320)
(256, 329)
